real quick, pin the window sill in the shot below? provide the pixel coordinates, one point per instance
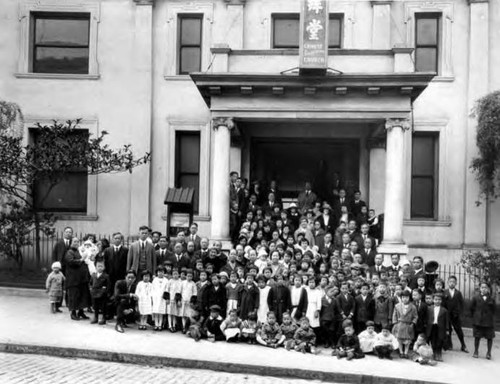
(177, 78)
(427, 223)
(76, 217)
(56, 76)
(443, 79)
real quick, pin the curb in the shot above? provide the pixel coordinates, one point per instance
(27, 292)
(159, 361)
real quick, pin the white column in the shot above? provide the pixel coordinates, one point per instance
(475, 216)
(376, 187)
(222, 127)
(381, 26)
(141, 118)
(395, 178)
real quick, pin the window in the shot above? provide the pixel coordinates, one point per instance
(70, 192)
(190, 38)
(424, 175)
(187, 162)
(286, 30)
(60, 42)
(427, 42)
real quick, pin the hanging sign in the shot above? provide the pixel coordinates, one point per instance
(313, 46)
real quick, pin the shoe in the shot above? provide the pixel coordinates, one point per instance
(74, 316)
(475, 355)
(488, 356)
(124, 325)
(401, 355)
(102, 322)
(388, 357)
(58, 310)
(464, 349)
(119, 328)
(82, 315)
(380, 357)
(439, 358)
(423, 362)
(94, 320)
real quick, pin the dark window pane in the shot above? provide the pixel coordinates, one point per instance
(190, 31)
(427, 31)
(334, 33)
(286, 33)
(69, 195)
(422, 197)
(426, 59)
(423, 155)
(190, 60)
(190, 154)
(187, 164)
(61, 60)
(74, 32)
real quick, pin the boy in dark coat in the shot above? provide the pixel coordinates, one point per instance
(437, 325)
(327, 318)
(454, 303)
(100, 287)
(365, 308)
(211, 328)
(348, 345)
(249, 298)
(346, 307)
(483, 318)
(279, 300)
(216, 295)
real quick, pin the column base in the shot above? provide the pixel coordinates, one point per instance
(392, 248)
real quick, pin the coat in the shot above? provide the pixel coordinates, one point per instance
(77, 272)
(122, 292)
(455, 305)
(345, 306)
(59, 251)
(100, 287)
(442, 322)
(365, 309)
(116, 263)
(248, 301)
(134, 255)
(483, 311)
(279, 301)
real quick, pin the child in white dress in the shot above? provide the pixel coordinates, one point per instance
(263, 295)
(313, 304)
(188, 293)
(175, 300)
(160, 284)
(367, 337)
(144, 293)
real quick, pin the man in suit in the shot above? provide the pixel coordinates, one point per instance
(356, 204)
(395, 267)
(328, 246)
(454, 303)
(273, 187)
(202, 253)
(194, 237)
(377, 268)
(178, 258)
(437, 325)
(180, 238)
(368, 253)
(141, 255)
(306, 199)
(155, 236)
(162, 253)
(233, 176)
(268, 206)
(339, 201)
(115, 259)
(126, 301)
(418, 270)
(363, 235)
(61, 247)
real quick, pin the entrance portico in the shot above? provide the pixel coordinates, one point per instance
(373, 100)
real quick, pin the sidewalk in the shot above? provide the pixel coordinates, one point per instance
(29, 327)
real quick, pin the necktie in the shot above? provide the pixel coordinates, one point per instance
(142, 245)
(66, 242)
(117, 249)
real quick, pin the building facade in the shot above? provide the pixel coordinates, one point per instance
(210, 87)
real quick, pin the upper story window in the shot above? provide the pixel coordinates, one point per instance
(427, 26)
(60, 43)
(190, 43)
(187, 163)
(286, 30)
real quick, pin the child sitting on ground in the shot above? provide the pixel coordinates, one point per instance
(348, 344)
(230, 327)
(367, 337)
(422, 351)
(195, 325)
(305, 338)
(269, 333)
(249, 328)
(212, 325)
(55, 287)
(288, 329)
(385, 343)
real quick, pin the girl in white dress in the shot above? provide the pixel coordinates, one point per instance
(160, 284)
(263, 295)
(313, 304)
(144, 293)
(188, 292)
(175, 300)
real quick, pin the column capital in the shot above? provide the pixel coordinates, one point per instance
(144, 2)
(403, 123)
(223, 121)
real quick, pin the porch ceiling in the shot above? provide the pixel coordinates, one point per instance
(220, 85)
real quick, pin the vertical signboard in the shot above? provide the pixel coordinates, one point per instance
(313, 46)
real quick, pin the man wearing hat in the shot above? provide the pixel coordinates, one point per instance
(306, 198)
(326, 219)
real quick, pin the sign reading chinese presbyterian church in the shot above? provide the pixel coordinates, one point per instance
(313, 46)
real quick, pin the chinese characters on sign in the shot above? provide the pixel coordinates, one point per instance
(314, 37)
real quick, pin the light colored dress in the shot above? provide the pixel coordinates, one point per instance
(188, 290)
(403, 318)
(144, 291)
(313, 305)
(160, 285)
(263, 306)
(174, 288)
(55, 286)
(367, 341)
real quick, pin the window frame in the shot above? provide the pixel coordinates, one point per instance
(62, 16)
(435, 176)
(178, 172)
(180, 18)
(430, 16)
(25, 53)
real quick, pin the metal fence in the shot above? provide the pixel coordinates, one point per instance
(465, 282)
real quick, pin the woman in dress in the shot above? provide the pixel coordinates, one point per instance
(77, 281)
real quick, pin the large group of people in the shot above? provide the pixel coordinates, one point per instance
(301, 278)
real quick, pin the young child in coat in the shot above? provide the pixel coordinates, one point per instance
(144, 293)
(249, 328)
(231, 326)
(288, 329)
(385, 343)
(188, 295)
(483, 319)
(404, 318)
(160, 285)
(437, 325)
(211, 328)
(269, 334)
(305, 338)
(383, 308)
(367, 337)
(54, 286)
(423, 351)
(327, 318)
(348, 345)
(454, 303)
(100, 288)
(233, 289)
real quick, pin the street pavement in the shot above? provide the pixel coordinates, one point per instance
(28, 326)
(36, 369)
